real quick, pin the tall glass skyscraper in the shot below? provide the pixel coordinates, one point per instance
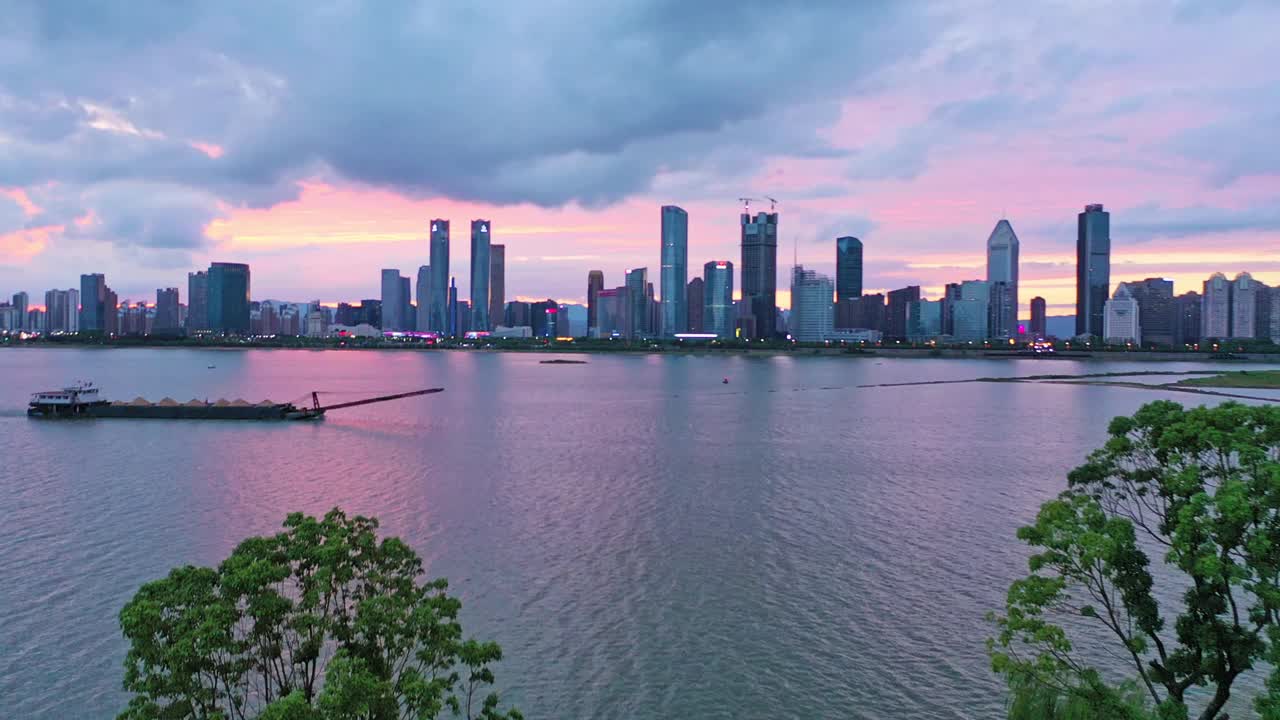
(717, 293)
(197, 301)
(1093, 268)
(811, 308)
(422, 321)
(393, 300)
(848, 268)
(675, 270)
(438, 307)
(480, 275)
(595, 284)
(229, 298)
(638, 303)
(760, 271)
(1002, 267)
(93, 295)
(497, 283)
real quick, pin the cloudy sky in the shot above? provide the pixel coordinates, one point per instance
(315, 139)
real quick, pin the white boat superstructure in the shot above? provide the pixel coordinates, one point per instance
(71, 399)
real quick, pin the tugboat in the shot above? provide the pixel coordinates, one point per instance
(78, 399)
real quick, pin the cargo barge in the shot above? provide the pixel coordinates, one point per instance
(82, 400)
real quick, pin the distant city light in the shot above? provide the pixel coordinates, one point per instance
(696, 336)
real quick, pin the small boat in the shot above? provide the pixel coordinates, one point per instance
(725, 381)
(212, 367)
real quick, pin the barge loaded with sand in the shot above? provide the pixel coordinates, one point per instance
(82, 400)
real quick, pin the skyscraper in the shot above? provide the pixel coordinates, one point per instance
(896, 311)
(453, 328)
(675, 270)
(1039, 320)
(422, 321)
(479, 275)
(1215, 308)
(848, 268)
(694, 301)
(638, 303)
(406, 310)
(166, 320)
(93, 296)
(20, 308)
(1156, 310)
(1244, 306)
(1093, 268)
(1002, 267)
(970, 311)
(229, 298)
(1121, 318)
(717, 298)
(438, 307)
(1187, 310)
(760, 271)
(497, 284)
(924, 320)
(62, 311)
(197, 301)
(811, 308)
(595, 283)
(393, 300)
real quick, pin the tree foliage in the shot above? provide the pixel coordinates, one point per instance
(318, 622)
(1200, 487)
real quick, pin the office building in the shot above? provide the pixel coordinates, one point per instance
(760, 272)
(674, 274)
(422, 316)
(970, 312)
(896, 311)
(812, 311)
(1093, 268)
(62, 311)
(518, 314)
(546, 318)
(848, 268)
(1187, 324)
(924, 320)
(438, 309)
(480, 269)
(197, 301)
(611, 313)
(166, 317)
(1121, 318)
(497, 282)
(1002, 267)
(718, 313)
(1245, 293)
(229, 298)
(637, 284)
(862, 313)
(1039, 328)
(453, 328)
(20, 302)
(1273, 325)
(1157, 314)
(393, 299)
(1215, 308)
(695, 299)
(595, 283)
(93, 303)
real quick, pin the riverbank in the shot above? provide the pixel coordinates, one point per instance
(1250, 379)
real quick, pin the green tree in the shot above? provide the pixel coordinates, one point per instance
(1199, 486)
(319, 622)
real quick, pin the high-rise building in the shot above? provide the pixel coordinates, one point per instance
(453, 327)
(1273, 326)
(480, 269)
(497, 283)
(20, 300)
(848, 268)
(1122, 321)
(1093, 268)
(422, 319)
(695, 302)
(760, 271)
(111, 312)
(438, 309)
(545, 318)
(518, 314)
(197, 301)
(229, 298)
(674, 276)
(393, 300)
(717, 298)
(924, 320)
(611, 312)
(1215, 308)
(595, 283)
(896, 311)
(812, 317)
(1244, 306)
(1039, 328)
(93, 296)
(1003, 310)
(863, 313)
(1187, 308)
(407, 317)
(62, 311)
(1157, 315)
(970, 311)
(1002, 267)
(166, 320)
(637, 296)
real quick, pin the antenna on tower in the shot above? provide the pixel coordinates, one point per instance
(772, 203)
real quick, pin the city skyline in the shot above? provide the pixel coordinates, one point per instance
(883, 143)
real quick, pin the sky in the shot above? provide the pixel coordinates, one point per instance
(315, 140)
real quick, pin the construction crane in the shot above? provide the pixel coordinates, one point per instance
(746, 203)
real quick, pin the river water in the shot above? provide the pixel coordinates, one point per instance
(643, 540)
